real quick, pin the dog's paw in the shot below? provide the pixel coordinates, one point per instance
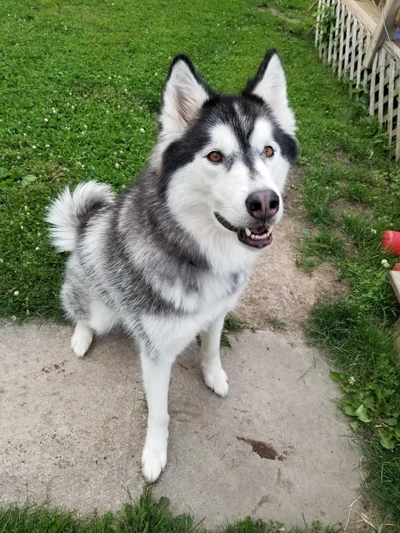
(216, 378)
(81, 339)
(154, 460)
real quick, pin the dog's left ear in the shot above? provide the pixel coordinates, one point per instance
(270, 85)
(184, 95)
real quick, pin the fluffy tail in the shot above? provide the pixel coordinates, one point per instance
(69, 212)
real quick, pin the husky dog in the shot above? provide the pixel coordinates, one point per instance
(169, 257)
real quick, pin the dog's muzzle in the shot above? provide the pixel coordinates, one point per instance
(258, 236)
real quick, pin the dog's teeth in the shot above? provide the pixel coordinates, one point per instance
(248, 232)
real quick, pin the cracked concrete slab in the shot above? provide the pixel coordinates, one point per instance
(277, 448)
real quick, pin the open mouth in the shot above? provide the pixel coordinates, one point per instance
(257, 236)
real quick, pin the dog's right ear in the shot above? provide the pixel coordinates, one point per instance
(184, 94)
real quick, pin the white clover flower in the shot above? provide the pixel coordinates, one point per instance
(37, 248)
(385, 263)
(352, 380)
(16, 293)
(46, 119)
(13, 318)
(373, 230)
(28, 312)
(142, 130)
(116, 165)
(33, 146)
(1, 260)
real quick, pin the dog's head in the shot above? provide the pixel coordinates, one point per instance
(224, 160)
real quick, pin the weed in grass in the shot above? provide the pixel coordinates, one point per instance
(274, 321)
(233, 324)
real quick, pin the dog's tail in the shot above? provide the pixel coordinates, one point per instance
(70, 211)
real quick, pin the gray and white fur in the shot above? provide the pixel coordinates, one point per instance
(169, 257)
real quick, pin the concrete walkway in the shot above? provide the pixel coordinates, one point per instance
(71, 430)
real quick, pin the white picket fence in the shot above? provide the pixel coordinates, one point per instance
(342, 40)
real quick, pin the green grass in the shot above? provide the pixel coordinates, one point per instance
(145, 517)
(80, 84)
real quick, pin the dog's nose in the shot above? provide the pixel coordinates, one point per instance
(262, 204)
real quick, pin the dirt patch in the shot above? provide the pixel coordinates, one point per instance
(279, 14)
(278, 288)
(344, 207)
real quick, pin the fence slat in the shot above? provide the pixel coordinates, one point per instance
(341, 45)
(397, 150)
(381, 61)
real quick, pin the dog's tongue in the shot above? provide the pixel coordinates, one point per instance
(258, 230)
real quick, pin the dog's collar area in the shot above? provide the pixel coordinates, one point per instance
(256, 237)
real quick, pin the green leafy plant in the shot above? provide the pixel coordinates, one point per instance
(371, 403)
(326, 20)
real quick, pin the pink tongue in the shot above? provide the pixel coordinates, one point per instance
(258, 231)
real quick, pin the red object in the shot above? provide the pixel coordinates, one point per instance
(397, 267)
(391, 241)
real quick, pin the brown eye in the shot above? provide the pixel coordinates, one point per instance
(215, 157)
(269, 151)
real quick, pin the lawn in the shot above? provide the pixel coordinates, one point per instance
(79, 93)
(145, 517)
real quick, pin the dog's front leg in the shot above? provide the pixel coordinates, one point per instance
(156, 376)
(214, 374)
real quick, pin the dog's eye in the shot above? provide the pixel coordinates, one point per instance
(268, 151)
(215, 157)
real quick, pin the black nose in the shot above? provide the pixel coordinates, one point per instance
(262, 204)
